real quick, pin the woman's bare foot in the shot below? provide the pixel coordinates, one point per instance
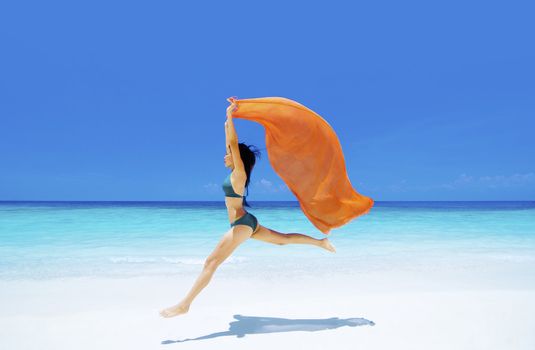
(175, 310)
(326, 244)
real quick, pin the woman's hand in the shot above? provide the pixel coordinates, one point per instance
(231, 110)
(233, 107)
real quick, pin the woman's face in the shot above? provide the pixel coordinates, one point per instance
(228, 159)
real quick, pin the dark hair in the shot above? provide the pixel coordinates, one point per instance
(248, 155)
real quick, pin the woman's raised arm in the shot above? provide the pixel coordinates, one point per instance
(232, 140)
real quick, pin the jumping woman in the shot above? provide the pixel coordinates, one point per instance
(243, 225)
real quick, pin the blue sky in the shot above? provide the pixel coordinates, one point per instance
(126, 100)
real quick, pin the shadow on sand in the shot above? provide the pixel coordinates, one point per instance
(258, 325)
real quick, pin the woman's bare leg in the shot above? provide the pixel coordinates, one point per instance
(230, 241)
(271, 236)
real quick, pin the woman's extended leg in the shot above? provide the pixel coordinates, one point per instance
(271, 236)
(230, 241)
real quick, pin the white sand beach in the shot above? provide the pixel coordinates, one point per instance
(377, 310)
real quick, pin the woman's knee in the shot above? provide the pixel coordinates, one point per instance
(211, 263)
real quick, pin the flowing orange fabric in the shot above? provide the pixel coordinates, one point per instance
(305, 152)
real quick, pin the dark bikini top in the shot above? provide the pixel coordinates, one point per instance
(229, 191)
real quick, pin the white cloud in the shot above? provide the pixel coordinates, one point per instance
(495, 181)
(462, 182)
(400, 187)
(265, 183)
(267, 186)
(211, 187)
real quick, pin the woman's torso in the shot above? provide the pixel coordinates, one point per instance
(234, 205)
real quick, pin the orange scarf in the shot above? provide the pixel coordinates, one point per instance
(304, 151)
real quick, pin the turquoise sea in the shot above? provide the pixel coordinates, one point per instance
(43, 240)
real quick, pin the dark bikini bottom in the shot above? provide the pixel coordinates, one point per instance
(247, 219)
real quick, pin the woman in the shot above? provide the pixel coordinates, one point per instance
(243, 225)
